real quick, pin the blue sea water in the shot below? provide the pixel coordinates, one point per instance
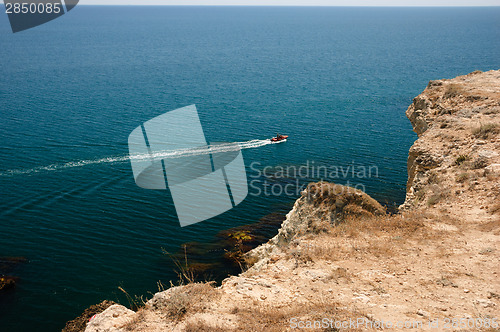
(337, 80)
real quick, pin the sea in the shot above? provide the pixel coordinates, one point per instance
(336, 80)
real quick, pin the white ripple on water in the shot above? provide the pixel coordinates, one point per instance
(224, 147)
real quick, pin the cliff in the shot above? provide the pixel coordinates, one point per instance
(339, 256)
(456, 157)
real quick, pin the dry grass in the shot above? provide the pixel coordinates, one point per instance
(258, 317)
(138, 319)
(453, 90)
(136, 302)
(200, 325)
(434, 199)
(340, 273)
(179, 302)
(188, 299)
(419, 196)
(495, 208)
(486, 130)
(377, 236)
(462, 177)
(185, 272)
(396, 225)
(438, 194)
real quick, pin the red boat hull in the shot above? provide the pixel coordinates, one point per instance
(282, 138)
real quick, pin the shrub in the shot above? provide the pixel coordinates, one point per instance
(478, 163)
(190, 298)
(462, 177)
(486, 130)
(437, 196)
(460, 159)
(453, 90)
(433, 199)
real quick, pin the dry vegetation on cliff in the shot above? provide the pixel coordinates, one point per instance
(338, 255)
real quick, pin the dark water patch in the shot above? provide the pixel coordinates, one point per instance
(223, 256)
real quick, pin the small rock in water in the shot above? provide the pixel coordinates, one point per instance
(7, 282)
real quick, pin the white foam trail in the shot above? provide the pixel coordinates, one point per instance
(225, 147)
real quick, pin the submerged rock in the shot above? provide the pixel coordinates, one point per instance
(7, 266)
(7, 282)
(215, 260)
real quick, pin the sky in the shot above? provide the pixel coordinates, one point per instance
(298, 2)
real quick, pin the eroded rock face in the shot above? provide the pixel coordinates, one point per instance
(417, 113)
(457, 122)
(333, 202)
(321, 204)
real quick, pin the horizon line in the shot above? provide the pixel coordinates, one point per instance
(275, 5)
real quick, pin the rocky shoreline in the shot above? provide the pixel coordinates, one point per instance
(339, 257)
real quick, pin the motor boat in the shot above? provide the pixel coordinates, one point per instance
(279, 138)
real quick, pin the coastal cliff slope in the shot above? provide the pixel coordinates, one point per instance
(457, 155)
(339, 256)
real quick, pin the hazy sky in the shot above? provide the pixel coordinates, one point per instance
(299, 2)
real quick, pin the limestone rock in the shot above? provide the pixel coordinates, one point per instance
(79, 323)
(110, 320)
(453, 119)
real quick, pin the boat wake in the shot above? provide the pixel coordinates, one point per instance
(210, 149)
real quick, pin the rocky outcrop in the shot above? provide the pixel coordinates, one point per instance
(7, 282)
(322, 204)
(80, 323)
(111, 320)
(457, 122)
